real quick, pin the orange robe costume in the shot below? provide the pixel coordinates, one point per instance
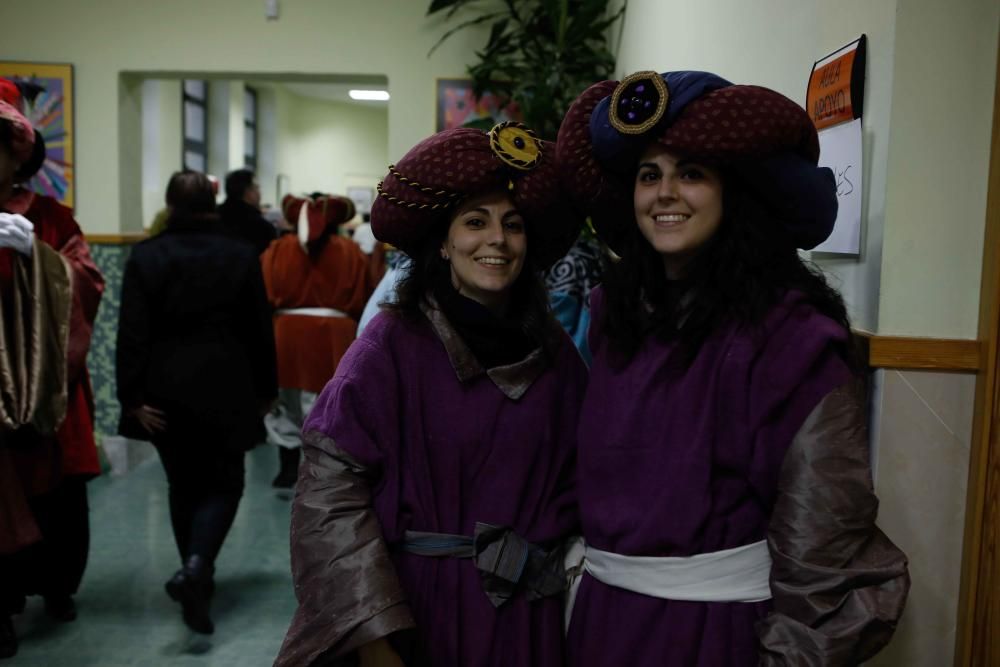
(335, 275)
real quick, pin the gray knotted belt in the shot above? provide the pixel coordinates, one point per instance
(507, 563)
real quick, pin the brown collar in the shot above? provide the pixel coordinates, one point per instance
(513, 380)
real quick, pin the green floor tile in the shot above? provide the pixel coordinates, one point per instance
(126, 619)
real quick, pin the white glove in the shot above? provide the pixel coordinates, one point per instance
(16, 232)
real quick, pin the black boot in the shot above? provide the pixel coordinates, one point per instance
(8, 638)
(289, 471)
(191, 586)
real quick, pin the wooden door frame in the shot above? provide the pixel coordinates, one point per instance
(977, 639)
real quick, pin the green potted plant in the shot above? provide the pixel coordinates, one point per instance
(540, 53)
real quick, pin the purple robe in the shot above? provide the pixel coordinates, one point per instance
(680, 462)
(445, 445)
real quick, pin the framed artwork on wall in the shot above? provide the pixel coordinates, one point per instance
(458, 106)
(362, 196)
(51, 112)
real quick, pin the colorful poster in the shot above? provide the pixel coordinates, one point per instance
(51, 112)
(457, 106)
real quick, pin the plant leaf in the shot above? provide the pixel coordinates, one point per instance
(462, 26)
(438, 5)
(539, 53)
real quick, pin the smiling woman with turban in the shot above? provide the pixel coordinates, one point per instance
(437, 487)
(725, 492)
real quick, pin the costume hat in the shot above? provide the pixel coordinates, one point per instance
(26, 142)
(756, 134)
(316, 214)
(422, 189)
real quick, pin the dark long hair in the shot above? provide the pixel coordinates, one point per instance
(191, 198)
(528, 304)
(736, 278)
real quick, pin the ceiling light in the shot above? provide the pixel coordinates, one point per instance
(380, 95)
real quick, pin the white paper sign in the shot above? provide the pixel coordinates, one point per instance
(840, 150)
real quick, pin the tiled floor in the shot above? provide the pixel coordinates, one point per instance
(125, 618)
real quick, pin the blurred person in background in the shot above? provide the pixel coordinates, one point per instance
(318, 283)
(160, 219)
(240, 213)
(196, 372)
(274, 216)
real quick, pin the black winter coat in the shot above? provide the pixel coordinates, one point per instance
(242, 221)
(195, 336)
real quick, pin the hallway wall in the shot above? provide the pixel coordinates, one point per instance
(924, 444)
(224, 37)
(326, 146)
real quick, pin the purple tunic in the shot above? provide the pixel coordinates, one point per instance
(451, 445)
(676, 463)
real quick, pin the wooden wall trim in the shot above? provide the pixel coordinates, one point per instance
(903, 352)
(925, 353)
(116, 239)
(977, 642)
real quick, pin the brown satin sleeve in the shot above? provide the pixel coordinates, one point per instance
(345, 582)
(33, 376)
(838, 583)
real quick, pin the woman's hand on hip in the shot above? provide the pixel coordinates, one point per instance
(152, 419)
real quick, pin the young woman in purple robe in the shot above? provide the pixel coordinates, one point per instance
(436, 491)
(725, 491)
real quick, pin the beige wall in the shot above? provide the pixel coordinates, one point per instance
(923, 465)
(945, 75)
(223, 37)
(237, 140)
(161, 142)
(327, 146)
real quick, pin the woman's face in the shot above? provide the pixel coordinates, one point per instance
(678, 205)
(486, 246)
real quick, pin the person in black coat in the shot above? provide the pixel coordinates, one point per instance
(196, 372)
(240, 213)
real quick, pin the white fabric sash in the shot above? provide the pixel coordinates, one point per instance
(314, 312)
(741, 574)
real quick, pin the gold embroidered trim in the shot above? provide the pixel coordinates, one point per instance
(661, 105)
(516, 145)
(411, 204)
